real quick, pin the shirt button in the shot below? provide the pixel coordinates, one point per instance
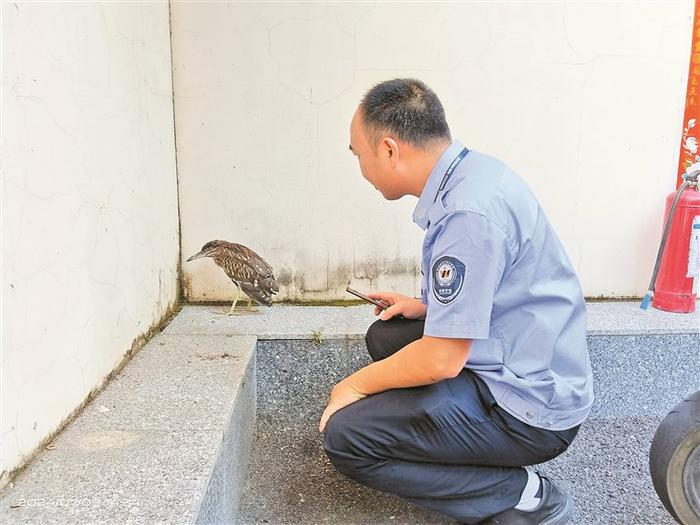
(529, 414)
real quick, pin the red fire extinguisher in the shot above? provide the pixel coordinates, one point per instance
(674, 283)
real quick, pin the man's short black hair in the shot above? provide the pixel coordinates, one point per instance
(407, 109)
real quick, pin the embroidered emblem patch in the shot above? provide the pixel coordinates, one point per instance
(448, 277)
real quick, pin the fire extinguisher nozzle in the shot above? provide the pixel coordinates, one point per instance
(646, 301)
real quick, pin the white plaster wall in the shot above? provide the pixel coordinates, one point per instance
(89, 202)
(583, 99)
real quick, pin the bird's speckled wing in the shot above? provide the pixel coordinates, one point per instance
(238, 270)
(251, 272)
(253, 259)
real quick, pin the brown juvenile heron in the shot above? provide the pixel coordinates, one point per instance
(248, 271)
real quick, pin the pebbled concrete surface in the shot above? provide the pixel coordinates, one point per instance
(638, 379)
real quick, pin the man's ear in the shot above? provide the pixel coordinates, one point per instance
(392, 149)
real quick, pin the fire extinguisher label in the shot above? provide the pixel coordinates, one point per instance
(694, 251)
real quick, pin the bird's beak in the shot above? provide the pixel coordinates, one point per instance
(197, 255)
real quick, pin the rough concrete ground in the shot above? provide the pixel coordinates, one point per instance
(290, 481)
(164, 442)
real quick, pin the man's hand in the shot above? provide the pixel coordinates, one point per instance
(409, 307)
(342, 395)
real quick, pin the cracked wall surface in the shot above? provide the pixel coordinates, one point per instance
(584, 100)
(89, 204)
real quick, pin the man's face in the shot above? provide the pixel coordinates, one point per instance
(375, 162)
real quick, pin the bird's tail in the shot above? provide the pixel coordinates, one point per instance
(259, 295)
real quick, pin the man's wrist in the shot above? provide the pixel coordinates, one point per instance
(423, 308)
(354, 383)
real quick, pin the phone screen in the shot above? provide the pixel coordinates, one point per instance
(375, 302)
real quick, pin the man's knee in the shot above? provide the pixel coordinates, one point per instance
(376, 340)
(336, 440)
(341, 445)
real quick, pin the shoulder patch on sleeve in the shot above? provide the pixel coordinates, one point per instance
(448, 274)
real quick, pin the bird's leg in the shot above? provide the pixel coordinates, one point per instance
(235, 300)
(252, 309)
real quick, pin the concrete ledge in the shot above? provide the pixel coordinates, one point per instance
(221, 499)
(167, 441)
(277, 322)
(627, 318)
(351, 322)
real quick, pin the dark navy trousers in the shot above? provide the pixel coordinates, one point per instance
(448, 446)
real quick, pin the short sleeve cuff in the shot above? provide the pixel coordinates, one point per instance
(456, 332)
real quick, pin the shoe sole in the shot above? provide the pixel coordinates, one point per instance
(562, 516)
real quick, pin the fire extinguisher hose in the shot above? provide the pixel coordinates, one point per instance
(667, 227)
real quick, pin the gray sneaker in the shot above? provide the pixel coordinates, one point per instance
(554, 508)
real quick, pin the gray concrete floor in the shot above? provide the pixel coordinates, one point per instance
(637, 380)
(144, 449)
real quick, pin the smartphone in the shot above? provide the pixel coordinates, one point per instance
(375, 302)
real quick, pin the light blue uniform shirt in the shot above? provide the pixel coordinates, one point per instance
(495, 272)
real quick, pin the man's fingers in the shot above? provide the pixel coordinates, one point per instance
(382, 296)
(327, 413)
(324, 419)
(390, 312)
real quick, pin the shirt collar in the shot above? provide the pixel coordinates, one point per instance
(427, 196)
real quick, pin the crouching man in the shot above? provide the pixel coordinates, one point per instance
(489, 370)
